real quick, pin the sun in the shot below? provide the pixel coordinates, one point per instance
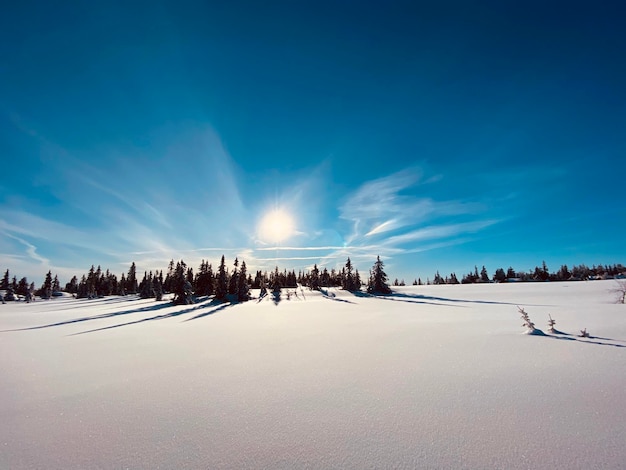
(276, 226)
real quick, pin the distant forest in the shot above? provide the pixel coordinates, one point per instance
(579, 272)
(234, 284)
(225, 284)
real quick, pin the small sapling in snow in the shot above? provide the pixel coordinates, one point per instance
(551, 323)
(530, 326)
(583, 333)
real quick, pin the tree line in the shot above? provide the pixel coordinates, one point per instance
(235, 283)
(223, 283)
(579, 272)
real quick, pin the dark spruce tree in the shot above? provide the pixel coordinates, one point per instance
(83, 289)
(233, 283)
(349, 282)
(121, 287)
(183, 292)
(145, 287)
(131, 279)
(499, 276)
(5, 281)
(204, 279)
(46, 289)
(243, 289)
(276, 285)
(314, 278)
(23, 287)
(378, 279)
(484, 276)
(325, 278)
(357, 281)
(221, 281)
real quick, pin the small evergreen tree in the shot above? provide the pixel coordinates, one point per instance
(182, 287)
(121, 287)
(23, 288)
(5, 280)
(233, 283)
(46, 289)
(243, 289)
(157, 288)
(530, 326)
(378, 279)
(500, 275)
(145, 288)
(484, 276)
(276, 285)
(131, 279)
(83, 290)
(72, 286)
(357, 281)
(221, 282)
(349, 281)
(314, 279)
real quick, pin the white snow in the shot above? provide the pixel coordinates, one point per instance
(430, 377)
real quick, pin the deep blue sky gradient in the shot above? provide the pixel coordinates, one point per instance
(439, 135)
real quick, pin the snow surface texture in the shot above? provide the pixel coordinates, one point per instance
(430, 377)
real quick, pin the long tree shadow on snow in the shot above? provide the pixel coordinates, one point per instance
(214, 303)
(156, 306)
(579, 339)
(148, 308)
(427, 299)
(168, 315)
(83, 303)
(417, 300)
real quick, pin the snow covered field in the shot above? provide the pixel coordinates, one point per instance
(430, 377)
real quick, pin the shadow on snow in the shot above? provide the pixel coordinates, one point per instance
(588, 340)
(220, 306)
(431, 300)
(148, 308)
(411, 299)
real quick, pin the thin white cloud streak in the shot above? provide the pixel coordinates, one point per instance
(440, 231)
(386, 226)
(31, 250)
(289, 258)
(190, 251)
(379, 206)
(300, 248)
(438, 245)
(30, 225)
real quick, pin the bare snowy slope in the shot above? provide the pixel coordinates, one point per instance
(430, 377)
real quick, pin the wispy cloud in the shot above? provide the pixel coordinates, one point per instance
(31, 250)
(33, 226)
(387, 204)
(438, 232)
(394, 214)
(300, 248)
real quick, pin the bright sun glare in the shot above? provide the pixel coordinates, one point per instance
(276, 226)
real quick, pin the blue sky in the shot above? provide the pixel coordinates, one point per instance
(438, 135)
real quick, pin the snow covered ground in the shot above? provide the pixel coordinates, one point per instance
(430, 377)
